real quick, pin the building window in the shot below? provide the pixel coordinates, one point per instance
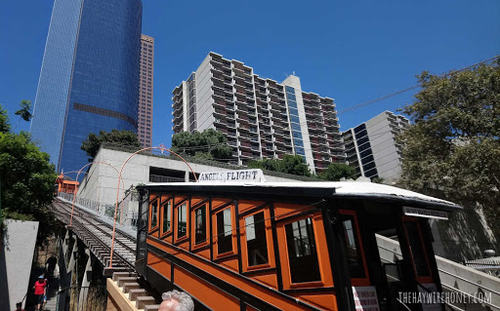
(200, 226)
(224, 231)
(255, 229)
(302, 254)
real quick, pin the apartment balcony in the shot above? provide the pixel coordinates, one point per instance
(246, 155)
(340, 148)
(279, 141)
(219, 71)
(322, 160)
(221, 126)
(219, 96)
(231, 133)
(230, 124)
(264, 118)
(245, 146)
(177, 127)
(280, 133)
(218, 59)
(317, 140)
(177, 106)
(274, 100)
(312, 106)
(232, 143)
(252, 122)
(243, 81)
(315, 99)
(275, 112)
(265, 127)
(219, 78)
(335, 141)
(266, 138)
(242, 69)
(312, 114)
(331, 124)
(328, 108)
(324, 152)
(316, 127)
(177, 97)
(241, 103)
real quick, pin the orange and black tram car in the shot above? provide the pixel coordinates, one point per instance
(288, 246)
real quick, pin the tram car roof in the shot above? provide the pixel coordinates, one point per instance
(351, 190)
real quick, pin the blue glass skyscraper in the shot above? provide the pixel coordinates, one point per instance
(89, 79)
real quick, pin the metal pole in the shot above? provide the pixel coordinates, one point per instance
(117, 192)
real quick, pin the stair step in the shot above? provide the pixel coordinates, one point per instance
(126, 279)
(129, 286)
(134, 293)
(143, 301)
(117, 275)
(151, 308)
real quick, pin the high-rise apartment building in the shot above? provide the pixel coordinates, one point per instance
(260, 117)
(372, 149)
(146, 78)
(89, 79)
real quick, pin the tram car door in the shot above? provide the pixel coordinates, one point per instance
(387, 282)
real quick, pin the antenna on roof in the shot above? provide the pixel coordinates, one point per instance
(293, 73)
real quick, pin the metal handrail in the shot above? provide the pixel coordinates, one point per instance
(448, 273)
(467, 294)
(450, 287)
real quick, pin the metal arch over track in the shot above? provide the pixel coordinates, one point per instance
(97, 234)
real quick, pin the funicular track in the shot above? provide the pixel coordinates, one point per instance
(97, 235)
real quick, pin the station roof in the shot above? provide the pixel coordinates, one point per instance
(354, 190)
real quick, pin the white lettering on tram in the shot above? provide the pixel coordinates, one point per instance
(240, 175)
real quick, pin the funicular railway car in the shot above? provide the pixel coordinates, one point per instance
(287, 246)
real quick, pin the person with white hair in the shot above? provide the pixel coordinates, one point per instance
(175, 300)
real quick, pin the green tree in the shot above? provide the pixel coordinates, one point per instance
(208, 144)
(294, 164)
(4, 120)
(336, 171)
(27, 180)
(25, 112)
(452, 149)
(93, 142)
(290, 164)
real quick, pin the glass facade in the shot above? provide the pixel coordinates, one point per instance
(90, 76)
(293, 113)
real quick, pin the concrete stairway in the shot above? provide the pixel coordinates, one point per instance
(134, 297)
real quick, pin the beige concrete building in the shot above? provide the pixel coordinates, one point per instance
(261, 118)
(372, 148)
(145, 113)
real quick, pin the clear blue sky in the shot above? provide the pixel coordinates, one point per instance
(352, 51)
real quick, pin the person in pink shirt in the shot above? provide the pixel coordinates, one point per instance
(40, 288)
